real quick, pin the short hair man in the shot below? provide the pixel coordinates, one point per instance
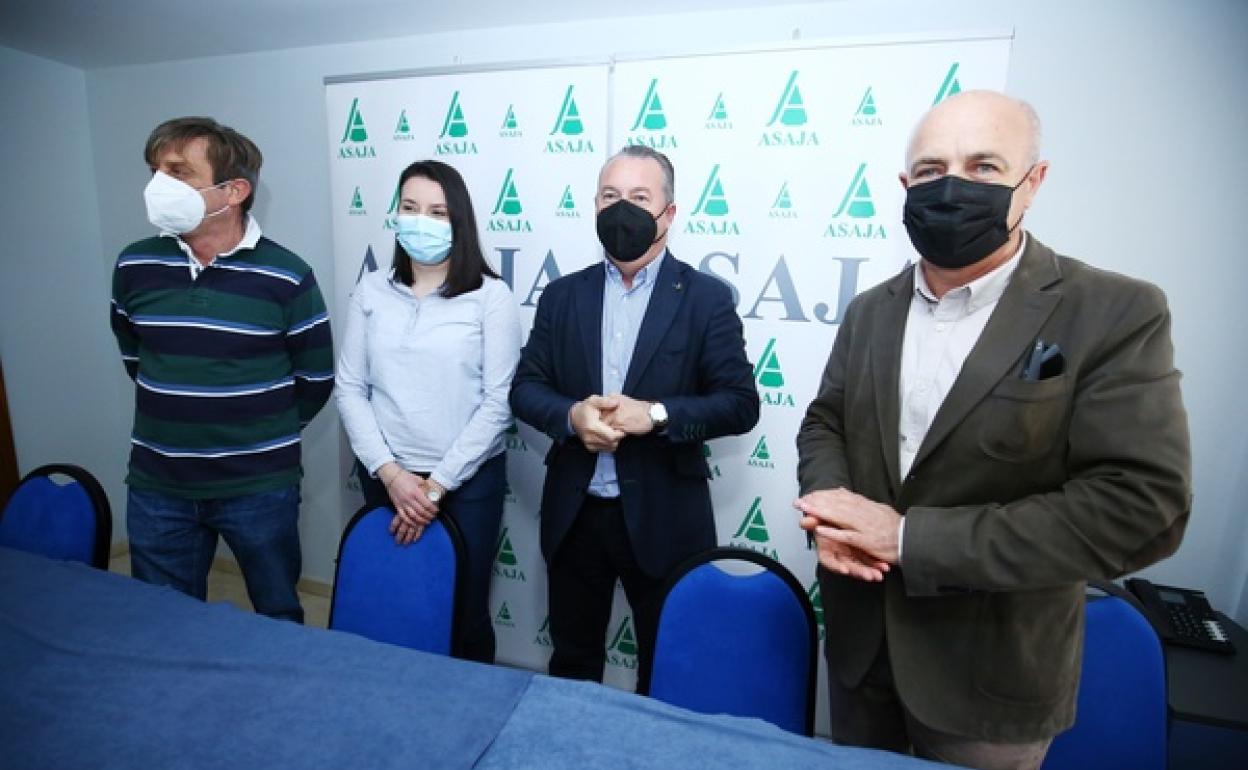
(995, 426)
(227, 339)
(631, 365)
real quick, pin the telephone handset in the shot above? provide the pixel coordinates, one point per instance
(1181, 616)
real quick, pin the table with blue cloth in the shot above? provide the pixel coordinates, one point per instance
(99, 670)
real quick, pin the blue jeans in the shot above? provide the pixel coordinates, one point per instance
(477, 507)
(173, 539)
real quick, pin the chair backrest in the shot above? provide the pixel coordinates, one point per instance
(741, 644)
(1120, 717)
(403, 595)
(59, 511)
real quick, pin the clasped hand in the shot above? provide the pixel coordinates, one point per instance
(855, 536)
(601, 422)
(412, 506)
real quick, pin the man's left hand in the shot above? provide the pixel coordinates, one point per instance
(631, 416)
(852, 520)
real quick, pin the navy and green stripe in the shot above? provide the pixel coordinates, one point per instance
(228, 368)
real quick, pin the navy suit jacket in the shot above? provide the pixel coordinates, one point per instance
(690, 355)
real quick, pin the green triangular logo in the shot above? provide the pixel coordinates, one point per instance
(454, 124)
(624, 641)
(719, 111)
(712, 203)
(651, 116)
(867, 105)
(355, 131)
(950, 86)
(753, 526)
(567, 202)
(504, 614)
(402, 127)
(790, 110)
(503, 552)
(569, 121)
(508, 199)
(394, 202)
(509, 121)
(857, 201)
(767, 370)
(783, 201)
(816, 601)
(546, 622)
(357, 200)
(760, 450)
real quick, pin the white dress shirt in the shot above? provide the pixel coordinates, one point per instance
(423, 381)
(940, 334)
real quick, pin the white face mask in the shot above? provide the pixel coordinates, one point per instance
(173, 206)
(425, 239)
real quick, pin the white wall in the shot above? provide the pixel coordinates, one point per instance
(1144, 116)
(62, 373)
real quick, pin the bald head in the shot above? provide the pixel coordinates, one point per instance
(1008, 121)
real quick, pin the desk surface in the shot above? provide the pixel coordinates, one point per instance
(99, 670)
(1208, 687)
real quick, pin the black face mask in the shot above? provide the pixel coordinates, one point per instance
(954, 222)
(626, 230)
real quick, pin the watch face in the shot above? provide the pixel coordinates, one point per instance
(434, 495)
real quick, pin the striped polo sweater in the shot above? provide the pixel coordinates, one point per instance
(228, 367)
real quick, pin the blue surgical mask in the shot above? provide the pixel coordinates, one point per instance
(425, 239)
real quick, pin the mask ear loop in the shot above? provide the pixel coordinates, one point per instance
(223, 208)
(658, 237)
(1013, 190)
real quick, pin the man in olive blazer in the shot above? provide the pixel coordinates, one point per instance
(953, 590)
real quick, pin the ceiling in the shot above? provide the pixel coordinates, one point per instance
(105, 33)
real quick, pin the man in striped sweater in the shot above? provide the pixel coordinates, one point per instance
(226, 336)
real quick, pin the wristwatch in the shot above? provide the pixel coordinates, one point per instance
(434, 495)
(658, 415)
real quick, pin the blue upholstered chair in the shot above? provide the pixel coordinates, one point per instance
(403, 595)
(1120, 719)
(59, 511)
(733, 643)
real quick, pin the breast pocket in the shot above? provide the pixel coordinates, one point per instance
(1022, 419)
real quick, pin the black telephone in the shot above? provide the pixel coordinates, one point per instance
(1181, 616)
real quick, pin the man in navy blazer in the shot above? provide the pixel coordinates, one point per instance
(630, 366)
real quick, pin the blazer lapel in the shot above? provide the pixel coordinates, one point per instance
(670, 286)
(1021, 312)
(886, 366)
(587, 308)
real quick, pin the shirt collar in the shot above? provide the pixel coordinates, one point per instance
(251, 236)
(644, 275)
(980, 292)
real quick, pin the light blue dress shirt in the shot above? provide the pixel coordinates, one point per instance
(424, 382)
(622, 312)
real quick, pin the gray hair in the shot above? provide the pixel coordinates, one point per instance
(642, 151)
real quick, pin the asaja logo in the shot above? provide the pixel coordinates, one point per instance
(622, 651)
(867, 114)
(356, 209)
(511, 127)
(648, 127)
(354, 142)
(543, 634)
(950, 86)
(710, 462)
(782, 207)
(503, 617)
(506, 565)
(786, 127)
(761, 457)
(718, 119)
(816, 602)
(568, 129)
(768, 374)
(453, 138)
(512, 440)
(507, 209)
(710, 216)
(858, 208)
(391, 222)
(509, 496)
(403, 129)
(567, 205)
(752, 533)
